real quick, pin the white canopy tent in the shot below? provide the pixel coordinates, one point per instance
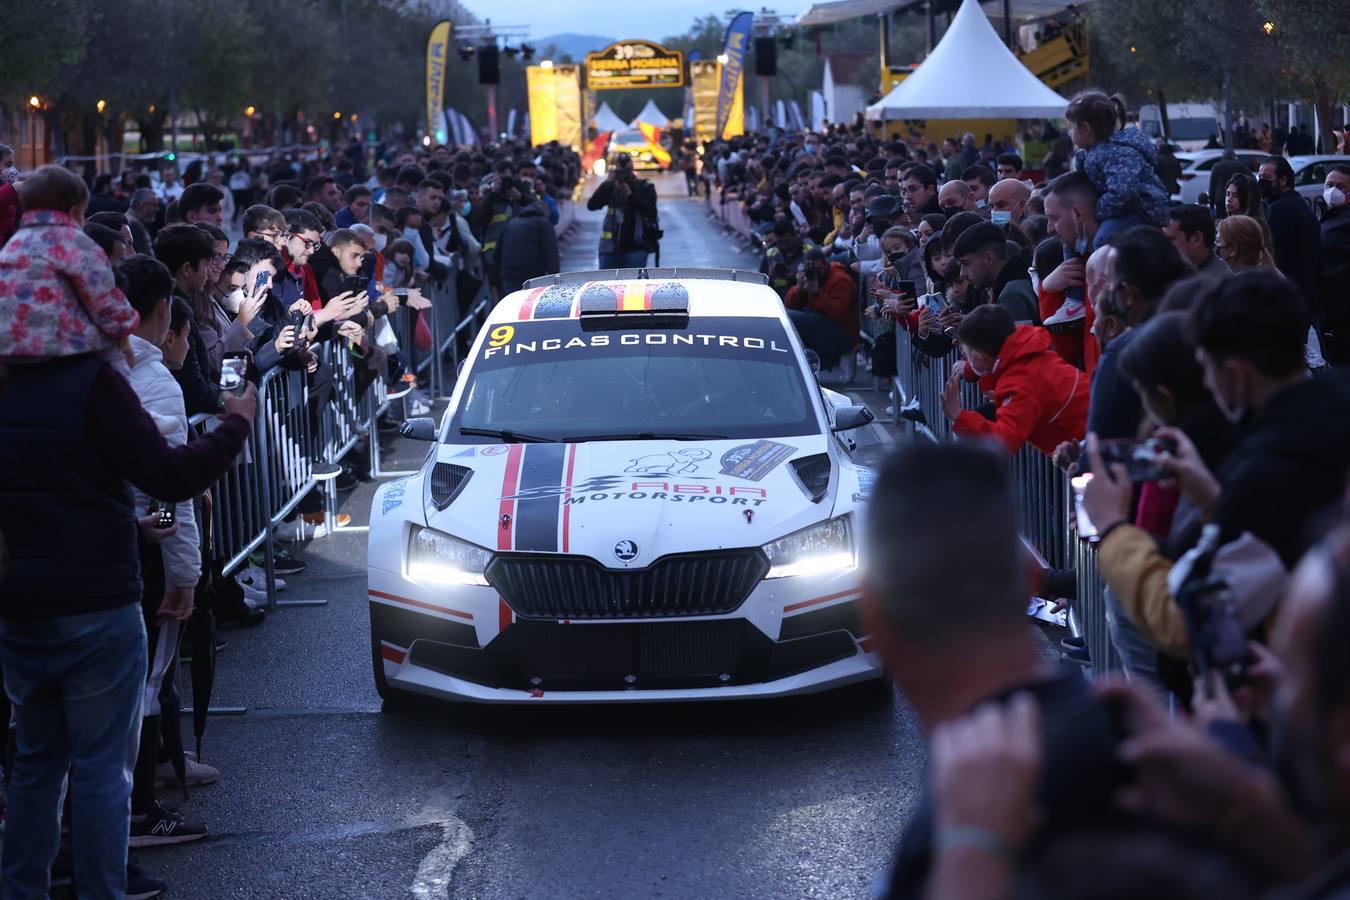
(607, 119)
(652, 115)
(970, 74)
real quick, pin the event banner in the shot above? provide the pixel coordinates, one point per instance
(438, 49)
(543, 105)
(567, 103)
(634, 64)
(738, 39)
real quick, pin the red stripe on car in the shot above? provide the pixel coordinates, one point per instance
(506, 514)
(567, 495)
(420, 604)
(818, 600)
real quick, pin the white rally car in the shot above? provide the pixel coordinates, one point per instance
(637, 492)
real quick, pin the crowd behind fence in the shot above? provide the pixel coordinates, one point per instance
(1044, 493)
(275, 472)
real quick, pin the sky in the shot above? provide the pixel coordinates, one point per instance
(614, 18)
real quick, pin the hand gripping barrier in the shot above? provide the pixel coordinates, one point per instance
(275, 471)
(1044, 496)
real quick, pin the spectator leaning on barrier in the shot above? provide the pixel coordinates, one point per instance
(1038, 398)
(72, 640)
(950, 624)
(1286, 472)
(989, 262)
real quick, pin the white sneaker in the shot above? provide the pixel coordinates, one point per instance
(195, 773)
(254, 597)
(1069, 312)
(418, 408)
(255, 578)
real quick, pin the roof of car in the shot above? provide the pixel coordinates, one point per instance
(1297, 161)
(703, 292)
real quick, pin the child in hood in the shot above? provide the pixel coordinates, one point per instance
(1121, 165)
(58, 296)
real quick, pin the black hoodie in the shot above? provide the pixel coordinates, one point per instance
(1287, 473)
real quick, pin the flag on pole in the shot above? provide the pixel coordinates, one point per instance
(653, 136)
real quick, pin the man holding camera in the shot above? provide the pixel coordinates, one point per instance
(821, 307)
(629, 232)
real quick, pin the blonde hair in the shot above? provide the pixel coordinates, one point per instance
(1248, 240)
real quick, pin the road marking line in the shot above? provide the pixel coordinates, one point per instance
(432, 881)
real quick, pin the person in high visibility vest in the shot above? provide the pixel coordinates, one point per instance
(631, 229)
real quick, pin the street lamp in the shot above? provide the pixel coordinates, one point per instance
(1268, 27)
(34, 104)
(337, 115)
(546, 64)
(722, 59)
(250, 110)
(101, 105)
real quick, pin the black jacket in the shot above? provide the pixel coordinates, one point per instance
(529, 247)
(1287, 473)
(1080, 734)
(1333, 285)
(1298, 247)
(201, 386)
(641, 203)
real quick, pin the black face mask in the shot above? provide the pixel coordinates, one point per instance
(1268, 190)
(950, 211)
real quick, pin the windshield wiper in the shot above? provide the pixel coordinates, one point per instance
(508, 437)
(644, 436)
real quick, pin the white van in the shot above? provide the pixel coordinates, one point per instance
(1191, 124)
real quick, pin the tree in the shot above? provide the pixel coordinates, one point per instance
(1315, 49)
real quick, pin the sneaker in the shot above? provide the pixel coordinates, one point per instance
(322, 471)
(141, 886)
(195, 773)
(162, 826)
(253, 596)
(282, 562)
(1070, 313)
(417, 408)
(1073, 643)
(255, 578)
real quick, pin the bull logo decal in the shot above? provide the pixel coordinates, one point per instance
(676, 462)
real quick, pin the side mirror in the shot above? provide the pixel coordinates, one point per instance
(850, 417)
(420, 429)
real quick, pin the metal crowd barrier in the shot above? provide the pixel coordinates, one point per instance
(1046, 502)
(274, 473)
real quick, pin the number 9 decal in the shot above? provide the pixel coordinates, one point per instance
(501, 335)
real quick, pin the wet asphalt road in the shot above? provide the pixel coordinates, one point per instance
(324, 795)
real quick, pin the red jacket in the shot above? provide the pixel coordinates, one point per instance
(1075, 346)
(835, 299)
(1040, 399)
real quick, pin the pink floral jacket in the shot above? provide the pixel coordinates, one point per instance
(57, 292)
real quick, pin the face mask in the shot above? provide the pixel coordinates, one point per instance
(411, 234)
(1267, 190)
(1000, 216)
(381, 240)
(233, 300)
(9, 175)
(970, 364)
(465, 208)
(981, 204)
(1334, 197)
(950, 211)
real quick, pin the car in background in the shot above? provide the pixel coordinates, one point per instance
(1196, 166)
(1310, 175)
(634, 144)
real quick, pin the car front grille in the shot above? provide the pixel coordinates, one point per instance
(576, 587)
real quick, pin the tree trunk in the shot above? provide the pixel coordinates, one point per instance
(1162, 114)
(152, 134)
(1322, 103)
(1226, 98)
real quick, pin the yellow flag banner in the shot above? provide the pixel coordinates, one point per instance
(438, 49)
(653, 136)
(543, 105)
(567, 103)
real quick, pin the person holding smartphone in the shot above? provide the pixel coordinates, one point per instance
(821, 307)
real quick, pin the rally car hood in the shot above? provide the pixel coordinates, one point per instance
(627, 503)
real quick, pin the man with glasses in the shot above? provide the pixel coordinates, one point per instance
(264, 222)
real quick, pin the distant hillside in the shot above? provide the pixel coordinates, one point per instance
(573, 45)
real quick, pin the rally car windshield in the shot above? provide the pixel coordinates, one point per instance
(713, 378)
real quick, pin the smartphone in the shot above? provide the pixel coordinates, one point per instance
(1086, 530)
(307, 324)
(1140, 458)
(354, 283)
(260, 280)
(165, 512)
(907, 289)
(234, 371)
(401, 293)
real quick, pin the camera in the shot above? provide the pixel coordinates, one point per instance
(1143, 459)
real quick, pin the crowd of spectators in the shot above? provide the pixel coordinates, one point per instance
(1180, 362)
(132, 302)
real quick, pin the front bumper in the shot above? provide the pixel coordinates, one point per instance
(819, 644)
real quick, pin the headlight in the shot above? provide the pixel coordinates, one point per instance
(435, 558)
(827, 547)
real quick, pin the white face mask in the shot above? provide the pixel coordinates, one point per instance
(233, 300)
(981, 204)
(380, 241)
(1334, 197)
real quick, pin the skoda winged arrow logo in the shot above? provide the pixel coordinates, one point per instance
(625, 550)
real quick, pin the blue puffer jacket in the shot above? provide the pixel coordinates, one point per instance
(1122, 169)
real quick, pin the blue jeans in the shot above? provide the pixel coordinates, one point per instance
(77, 684)
(633, 259)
